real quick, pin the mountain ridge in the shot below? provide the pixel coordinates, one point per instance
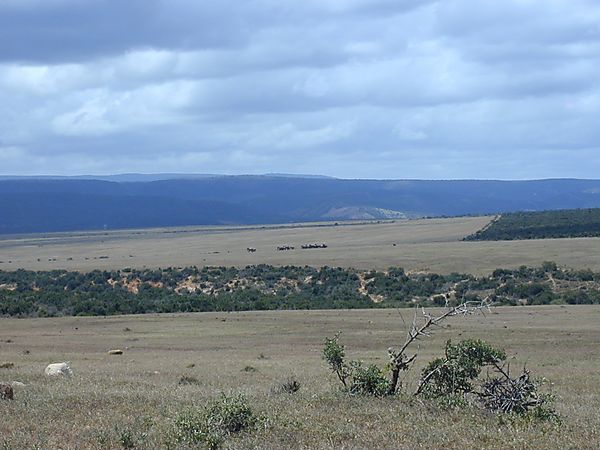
(45, 205)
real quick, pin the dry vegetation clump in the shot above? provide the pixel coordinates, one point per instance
(187, 380)
(517, 395)
(6, 392)
(290, 385)
(228, 415)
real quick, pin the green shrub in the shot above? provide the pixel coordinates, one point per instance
(450, 378)
(231, 413)
(132, 436)
(545, 411)
(211, 426)
(127, 438)
(367, 380)
(453, 374)
(190, 427)
(335, 355)
(357, 378)
(334, 352)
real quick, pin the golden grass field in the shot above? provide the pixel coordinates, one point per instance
(138, 392)
(429, 244)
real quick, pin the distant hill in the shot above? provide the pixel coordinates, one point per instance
(121, 177)
(541, 225)
(135, 177)
(43, 205)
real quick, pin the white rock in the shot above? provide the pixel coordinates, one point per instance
(62, 369)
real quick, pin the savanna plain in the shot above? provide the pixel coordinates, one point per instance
(172, 363)
(433, 245)
(131, 400)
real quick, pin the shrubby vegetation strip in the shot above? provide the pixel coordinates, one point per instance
(26, 293)
(566, 223)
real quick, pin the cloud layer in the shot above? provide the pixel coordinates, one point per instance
(349, 88)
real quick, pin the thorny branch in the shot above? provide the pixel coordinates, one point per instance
(423, 328)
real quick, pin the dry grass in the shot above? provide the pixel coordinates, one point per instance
(136, 395)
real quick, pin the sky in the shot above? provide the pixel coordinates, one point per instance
(427, 89)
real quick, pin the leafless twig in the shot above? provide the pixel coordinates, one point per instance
(507, 394)
(422, 328)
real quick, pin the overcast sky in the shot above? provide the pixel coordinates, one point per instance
(505, 89)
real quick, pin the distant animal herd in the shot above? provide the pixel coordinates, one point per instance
(283, 248)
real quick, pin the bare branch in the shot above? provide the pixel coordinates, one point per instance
(421, 329)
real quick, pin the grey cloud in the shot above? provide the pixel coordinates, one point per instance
(75, 30)
(83, 29)
(358, 88)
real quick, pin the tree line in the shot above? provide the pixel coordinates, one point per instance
(541, 225)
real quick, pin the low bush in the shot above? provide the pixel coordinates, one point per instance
(454, 379)
(453, 374)
(131, 435)
(356, 378)
(288, 386)
(367, 380)
(212, 425)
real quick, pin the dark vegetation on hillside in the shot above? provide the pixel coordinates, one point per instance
(129, 291)
(42, 205)
(541, 225)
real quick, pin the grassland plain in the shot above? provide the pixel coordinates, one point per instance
(133, 398)
(431, 244)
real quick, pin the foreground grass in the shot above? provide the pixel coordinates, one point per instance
(131, 400)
